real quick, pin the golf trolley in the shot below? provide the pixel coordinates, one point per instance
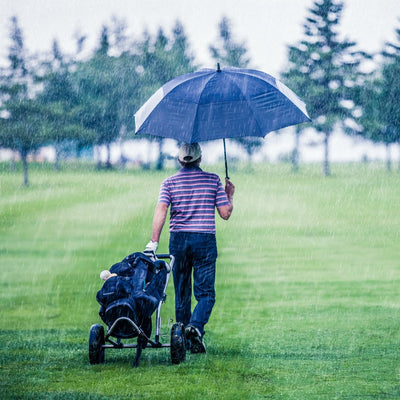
(124, 321)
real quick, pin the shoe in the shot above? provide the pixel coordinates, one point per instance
(195, 340)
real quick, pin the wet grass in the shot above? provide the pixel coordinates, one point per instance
(307, 287)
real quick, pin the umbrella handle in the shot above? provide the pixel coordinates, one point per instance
(226, 164)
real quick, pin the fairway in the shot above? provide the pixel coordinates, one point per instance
(308, 279)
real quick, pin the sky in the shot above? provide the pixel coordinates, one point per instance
(266, 27)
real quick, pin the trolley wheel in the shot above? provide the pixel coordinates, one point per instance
(178, 343)
(96, 342)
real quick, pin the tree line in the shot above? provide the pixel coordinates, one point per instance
(75, 102)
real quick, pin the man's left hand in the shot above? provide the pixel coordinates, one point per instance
(150, 250)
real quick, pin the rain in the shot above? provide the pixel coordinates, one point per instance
(298, 106)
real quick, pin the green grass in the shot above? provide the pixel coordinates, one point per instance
(308, 281)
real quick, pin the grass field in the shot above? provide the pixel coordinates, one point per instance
(308, 280)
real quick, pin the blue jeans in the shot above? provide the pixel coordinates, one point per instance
(197, 253)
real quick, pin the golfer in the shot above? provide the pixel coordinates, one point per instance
(193, 196)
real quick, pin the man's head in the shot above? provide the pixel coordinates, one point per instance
(189, 154)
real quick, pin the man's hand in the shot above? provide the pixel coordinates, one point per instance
(229, 189)
(150, 250)
(226, 211)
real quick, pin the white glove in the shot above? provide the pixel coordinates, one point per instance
(104, 275)
(150, 250)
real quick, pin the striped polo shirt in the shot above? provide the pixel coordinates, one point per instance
(193, 195)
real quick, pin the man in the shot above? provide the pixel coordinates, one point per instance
(193, 196)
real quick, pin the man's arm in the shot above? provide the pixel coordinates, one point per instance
(160, 215)
(226, 211)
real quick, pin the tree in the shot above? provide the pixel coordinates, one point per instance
(369, 99)
(101, 93)
(296, 78)
(162, 59)
(118, 37)
(228, 52)
(59, 100)
(391, 89)
(375, 121)
(24, 130)
(15, 77)
(17, 57)
(377, 99)
(329, 67)
(21, 125)
(181, 53)
(390, 115)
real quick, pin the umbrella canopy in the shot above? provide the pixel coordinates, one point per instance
(212, 104)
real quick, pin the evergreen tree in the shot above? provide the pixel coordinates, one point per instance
(228, 52)
(15, 78)
(378, 100)
(16, 55)
(163, 58)
(119, 42)
(25, 130)
(324, 69)
(391, 89)
(297, 79)
(102, 94)
(59, 100)
(181, 52)
(22, 128)
(371, 121)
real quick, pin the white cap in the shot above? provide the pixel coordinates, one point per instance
(189, 152)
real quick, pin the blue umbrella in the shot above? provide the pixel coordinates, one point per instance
(216, 104)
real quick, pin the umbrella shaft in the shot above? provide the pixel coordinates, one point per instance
(226, 164)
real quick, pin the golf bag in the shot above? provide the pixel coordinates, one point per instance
(134, 293)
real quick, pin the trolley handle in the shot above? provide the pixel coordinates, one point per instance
(165, 256)
(170, 256)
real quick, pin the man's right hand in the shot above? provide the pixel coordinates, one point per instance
(229, 189)
(226, 211)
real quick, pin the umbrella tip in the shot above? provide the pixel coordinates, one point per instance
(218, 68)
